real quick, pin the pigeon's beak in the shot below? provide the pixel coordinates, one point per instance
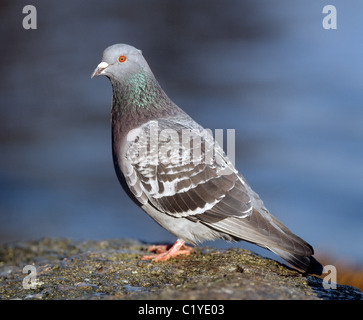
(100, 69)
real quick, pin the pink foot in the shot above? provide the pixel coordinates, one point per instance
(165, 253)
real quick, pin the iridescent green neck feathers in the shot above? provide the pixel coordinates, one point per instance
(139, 92)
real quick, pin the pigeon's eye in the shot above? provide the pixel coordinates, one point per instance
(121, 59)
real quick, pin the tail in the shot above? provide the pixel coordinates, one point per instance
(307, 264)
(267, 232)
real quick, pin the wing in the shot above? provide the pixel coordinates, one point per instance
(182, 172)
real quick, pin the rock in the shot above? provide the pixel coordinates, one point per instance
(112, 269)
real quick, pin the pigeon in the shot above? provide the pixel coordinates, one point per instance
(173, 169)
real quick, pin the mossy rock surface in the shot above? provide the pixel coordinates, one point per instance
(112, 269)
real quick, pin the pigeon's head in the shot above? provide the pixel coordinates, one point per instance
(120, 61)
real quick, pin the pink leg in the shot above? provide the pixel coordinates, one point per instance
(167, 254)
(159, 248)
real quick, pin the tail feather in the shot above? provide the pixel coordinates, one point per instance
(267, 232)
(307, 264)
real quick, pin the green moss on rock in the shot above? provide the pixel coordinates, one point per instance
(112, 269)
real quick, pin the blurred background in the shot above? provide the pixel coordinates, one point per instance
(292, 90)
